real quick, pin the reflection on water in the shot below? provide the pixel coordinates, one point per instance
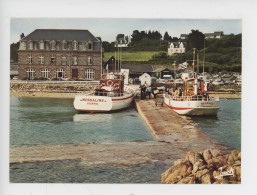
(88, 118)
(46, 121)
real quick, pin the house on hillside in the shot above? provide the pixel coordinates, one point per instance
(176, 47)
(60, 53)
(122, 40)
(215, 35)
(183, 36)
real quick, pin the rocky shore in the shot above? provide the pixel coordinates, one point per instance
(207, 167)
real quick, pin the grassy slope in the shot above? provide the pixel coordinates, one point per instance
(132, 56)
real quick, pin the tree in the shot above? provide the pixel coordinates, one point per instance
(195, 40)
(167, 37)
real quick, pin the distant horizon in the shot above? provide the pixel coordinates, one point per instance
(115, 26)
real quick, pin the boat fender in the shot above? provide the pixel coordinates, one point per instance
(102, 85)
(109, 83)
(190, 91)
(116, 86)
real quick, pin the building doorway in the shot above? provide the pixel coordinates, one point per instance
(75, 73)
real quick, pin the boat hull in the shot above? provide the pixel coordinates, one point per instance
(197, 108)
(90, 103)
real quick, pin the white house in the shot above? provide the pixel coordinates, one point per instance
(125, 72)
(145, 78)
(176, 47)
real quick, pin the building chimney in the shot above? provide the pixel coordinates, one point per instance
(22, 36)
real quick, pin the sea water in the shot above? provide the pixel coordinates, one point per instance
(225, 128)
(46, 121)
(43, 121)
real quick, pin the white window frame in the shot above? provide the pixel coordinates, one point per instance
(30, 72)
(64, 45)
(41, 45)
(31, 45)
(45, 73)
(91, 46)
(89, 60)
(52, 62)
(75, 45)
(60, 71)
(42, 59)
(90, 74)
(30, 59)
(64, 60)
(75, 60)
(52, 46)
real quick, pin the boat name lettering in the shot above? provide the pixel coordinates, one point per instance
(92, 103)
(92, 100)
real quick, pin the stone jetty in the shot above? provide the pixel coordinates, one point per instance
(207, 167)
(168, 126)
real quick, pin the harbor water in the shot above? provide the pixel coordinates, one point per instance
(43, 121)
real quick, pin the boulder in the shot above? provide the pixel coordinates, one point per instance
(207, 155)
(209, 166)
(177, 172)
(187, 180)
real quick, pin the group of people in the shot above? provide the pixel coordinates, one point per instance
(146, 90)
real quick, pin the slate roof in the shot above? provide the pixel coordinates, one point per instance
(163, 68)
(138, 68)
(61, 34)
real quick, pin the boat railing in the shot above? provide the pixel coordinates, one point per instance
(192, 98)
(100, 93)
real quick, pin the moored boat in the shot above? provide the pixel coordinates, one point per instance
(192, 98)
(194, 101)
(111, 95)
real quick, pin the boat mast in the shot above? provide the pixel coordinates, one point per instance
(101, 60)
(194, 62)
(203, 54)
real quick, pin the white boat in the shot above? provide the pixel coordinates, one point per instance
(194, 101)
(111, 95)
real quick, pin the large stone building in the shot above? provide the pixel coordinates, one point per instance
(59, 53)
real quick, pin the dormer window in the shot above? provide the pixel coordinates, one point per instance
(75, 45)
(52, 45)
(90, 46)
(30, 45)
(41, 45)
(64, 45)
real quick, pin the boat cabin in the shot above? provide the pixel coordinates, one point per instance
(111, 84)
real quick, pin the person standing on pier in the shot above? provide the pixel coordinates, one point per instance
(149, 91)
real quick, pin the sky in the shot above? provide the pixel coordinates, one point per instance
(108, 28)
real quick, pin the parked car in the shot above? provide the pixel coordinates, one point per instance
(218, 82)
(179, 81)
(15, 78)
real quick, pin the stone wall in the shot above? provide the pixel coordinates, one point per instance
(51, 87)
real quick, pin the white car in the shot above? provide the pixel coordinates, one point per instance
(15, 78)
(218, 82)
